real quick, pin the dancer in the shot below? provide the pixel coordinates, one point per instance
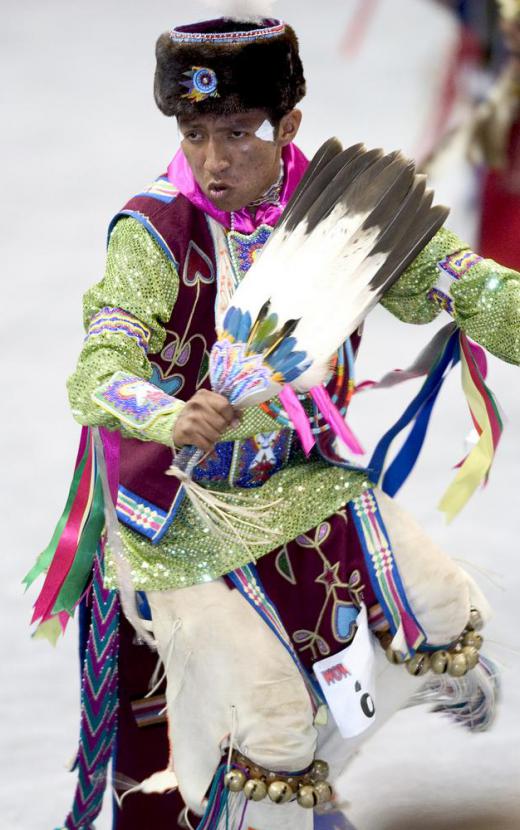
(252, 719)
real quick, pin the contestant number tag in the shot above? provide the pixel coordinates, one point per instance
(347, 681)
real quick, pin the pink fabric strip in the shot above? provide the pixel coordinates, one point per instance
(478, 380)
(111, 447)
(479, 356)
(181, 176)
(67, 546)
(82, 444)
(64, 619)
(322, 400)
(298, 417)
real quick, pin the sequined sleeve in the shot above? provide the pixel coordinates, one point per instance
(482, 296)
(124, 318)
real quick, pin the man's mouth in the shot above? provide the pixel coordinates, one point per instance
(218, 190)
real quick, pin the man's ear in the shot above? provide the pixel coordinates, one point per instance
(288, 127)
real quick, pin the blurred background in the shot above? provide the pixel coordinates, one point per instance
(81, 134)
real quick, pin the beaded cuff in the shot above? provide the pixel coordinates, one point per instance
(452, 267)
(118, 321)
(141, 515)
(134, 401)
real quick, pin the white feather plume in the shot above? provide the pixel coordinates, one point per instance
(247, 10)
(325, 274)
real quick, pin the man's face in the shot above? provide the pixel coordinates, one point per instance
(232, 165)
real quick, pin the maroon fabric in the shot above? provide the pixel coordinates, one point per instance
(315, 581)
(190, 334)
(141, 751)
(500, 221)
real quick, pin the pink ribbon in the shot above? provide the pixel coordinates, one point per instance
(111, 449)
(67, 546)
(479, 357)
(298, 417)
(334, 419)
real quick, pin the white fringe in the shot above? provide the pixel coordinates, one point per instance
(226, 516)
(164, 781)
(470, 700)
(184, 821)
(158, 676)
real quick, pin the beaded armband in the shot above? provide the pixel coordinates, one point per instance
(118, 321)
(451, 268)
(134, 401)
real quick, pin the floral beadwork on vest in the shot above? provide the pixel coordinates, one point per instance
(244, 248)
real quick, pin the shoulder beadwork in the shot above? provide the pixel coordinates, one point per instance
(161, 189)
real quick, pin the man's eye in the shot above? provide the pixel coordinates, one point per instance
(193, 136)
(238, 134)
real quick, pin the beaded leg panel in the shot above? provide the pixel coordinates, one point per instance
(99, 694)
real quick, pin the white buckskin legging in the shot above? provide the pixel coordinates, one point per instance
(228, 674)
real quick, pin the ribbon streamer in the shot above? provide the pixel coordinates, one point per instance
(298, 417)
(417, 412)
(488, 422)
(338, 425)
(484, 412)
(69, 556)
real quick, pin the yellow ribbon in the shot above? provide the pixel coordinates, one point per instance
(477, 464)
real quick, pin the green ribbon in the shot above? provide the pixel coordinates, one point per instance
(45, 558)
(77, 577)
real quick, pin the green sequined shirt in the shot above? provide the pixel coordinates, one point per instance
(483, 298)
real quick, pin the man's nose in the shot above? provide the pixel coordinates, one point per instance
(216, 161)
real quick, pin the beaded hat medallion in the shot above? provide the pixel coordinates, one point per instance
(202, 84)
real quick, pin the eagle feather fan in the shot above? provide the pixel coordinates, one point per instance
(355, 222)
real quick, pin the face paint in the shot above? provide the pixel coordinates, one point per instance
(265, 132)
(231, 166)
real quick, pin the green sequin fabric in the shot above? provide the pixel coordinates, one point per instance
(140, 279)
(487, 308)
(299, 497)
(408, 298)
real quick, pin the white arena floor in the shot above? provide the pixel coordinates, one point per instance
(80, 135)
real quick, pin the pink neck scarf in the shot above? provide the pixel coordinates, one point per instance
(295, 164)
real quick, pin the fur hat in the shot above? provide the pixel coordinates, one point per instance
(226, 65)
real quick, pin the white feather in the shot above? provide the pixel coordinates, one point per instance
(247, 10)
(297, 270)
(322, 272)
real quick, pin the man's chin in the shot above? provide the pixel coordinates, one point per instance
(227, 202)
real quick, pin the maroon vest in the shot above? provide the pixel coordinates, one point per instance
(181, 367)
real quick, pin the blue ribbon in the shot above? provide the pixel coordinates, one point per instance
(419, 410)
